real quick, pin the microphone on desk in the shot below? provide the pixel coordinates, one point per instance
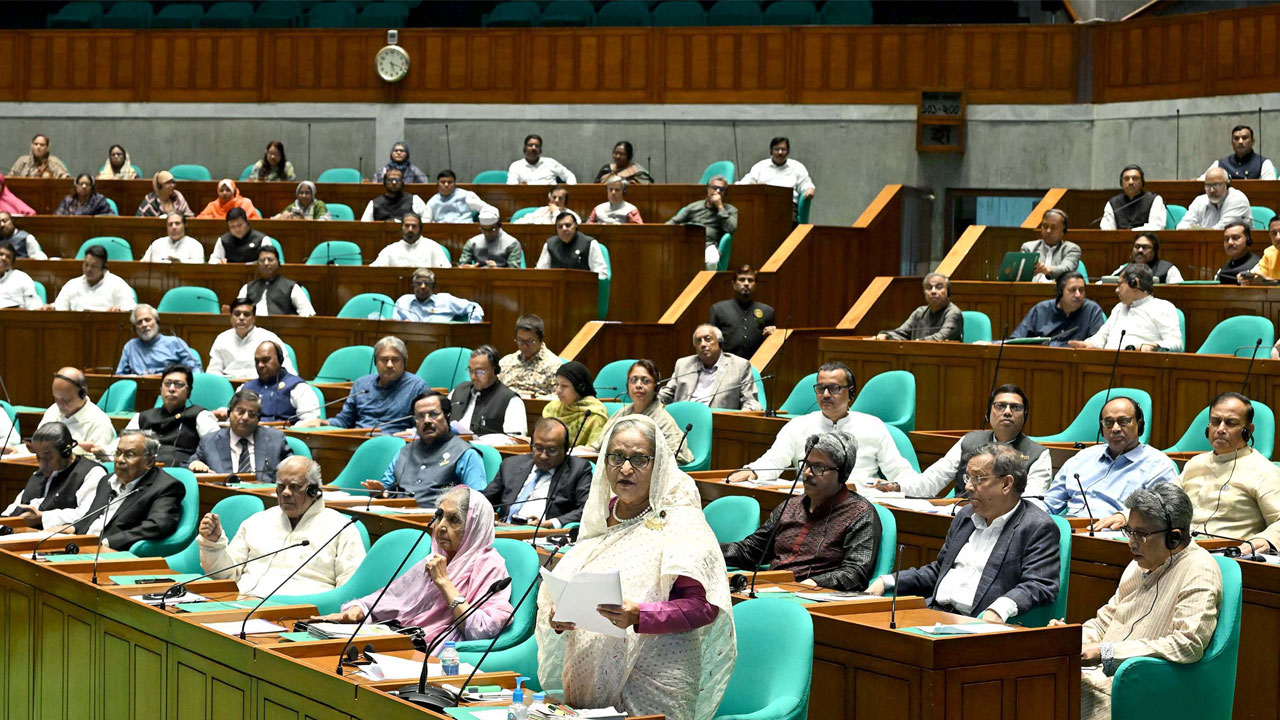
(1085, 497)
(773, 532)
(687, 429)
(295, 416)
(770, 410)
(1231, 551)
(736, 388)
(494, 588)
(368, 613)
(518, 502)
(758, 470)
(676, 377)
(893, 603)
(381, 493)
(996, 372)
(244, 623)
(331, 259)
(1249, 370)
(180, 589)
(88, 514)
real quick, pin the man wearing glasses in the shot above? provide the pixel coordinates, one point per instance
(434, 462)
(231, 355)
(483, 405)
(1219, 206)
(177, 425)
(1166, 605)
(153, 507)
(1109, 472)
(1007, 412)
(531, 369)
(1000, 558)
(835, 388)
(244, 447)
(522, 488)
(427, 305)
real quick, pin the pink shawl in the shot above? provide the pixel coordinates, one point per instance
(414, 600)
(10, 203)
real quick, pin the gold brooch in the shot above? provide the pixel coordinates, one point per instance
(657, 522)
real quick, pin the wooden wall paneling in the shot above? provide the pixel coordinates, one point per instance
(1242, 48)
(13, 53)
(304, 63)
(65, 636)
(745, 65)
(88, 66)
(132, 680)
(17, 650)
(205, 690)
(205, 66)
(458, 65)
(609, 65)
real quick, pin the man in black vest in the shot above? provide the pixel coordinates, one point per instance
(1007, 411)
(24, 243)
(177, 424)
(483, 405)
(240, 243)
(150, 499)
(272, 294)
(1134, 208)
(437, 460)
(572, 250)
(522, 487)
(1243, 163)
(63, 487)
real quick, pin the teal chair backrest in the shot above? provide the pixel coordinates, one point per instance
(1146, 687)
(568, 13)
(679, 13)
(231, 511)
(340, 211)
(1040, 616)
(512, 13)
(446, 367)
(346, 364)
(115, 209)
(189, 299)
(280, 253)
(522, 212)
(521, 659)
(772, 674)
(905, 448)
(732, 517)
(760, 394)
(623, 13)
(735, 12)
(40, 291)
(190, 172)
(725, 249)
(365, 305)
(887, 550)
(1182, 327)
(244, 175)
(320, 396)
(1238, 336)
(522, 566)
(339, 252)
(339, 175)
(491, 177)
(802, 400)
(612, 407)
(699, 438)
(1175, 215)
(208, 391)
(846, 12)
(614, 375)
(804, 208)
(1264, 432)
(890, 396)
(1080, 268)
(369, 461)
(120, 397)
(977, 326)
(288, 349)
(606, 285)
(298, 447)
(1085, 427)
(376, 570)
(186, 530)
(492, 460)
(1261, 216)
(719, 167)
(177, 16)
(13, 418)
(118, 249)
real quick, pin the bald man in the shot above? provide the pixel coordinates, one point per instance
(89, 425)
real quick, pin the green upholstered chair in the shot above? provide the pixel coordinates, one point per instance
(770, 680)
(521, 659)
(231, 511)
(846, 12)
(732, 517)
(802, 400)
(725, 248)
(340, 211)
(339, 175)
(365, 305)
(118, 249)
(614, 375)
(735, 13)
(522, 566)
(679, 13)
(791, 12)
(346, 365)
(606, 285)
(76, 15)
(185, 533)
(383, 15)
(207, 391)
(1174, 216)
(445, 367)
(298, 447)
(905, 448)
(719, 167)
(336, 252)
(977, 326)
(177, 15)
(623, 13)
(228, 15)
(512, 13)
(189, 299)
(1040, 617)
(887, 549)
(1085, 427)
(492, 460)
(568, 13)
(1146, 687)
(522, 212)
(278, 14)
(333, 15)
(890, 396)
(1261, 216)
(699, 438)
(376, 570)
(1239, 336)
(41, 292)
(369, 461)
(190, 171)
(120, 396)
(1264, 422)
(490, 177)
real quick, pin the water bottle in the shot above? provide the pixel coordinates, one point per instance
(539, 698)
(449, 658)
(518, 710)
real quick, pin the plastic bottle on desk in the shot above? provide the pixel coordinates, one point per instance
(518, 710)
(449, 658)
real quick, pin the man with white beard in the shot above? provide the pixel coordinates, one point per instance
(150, 353)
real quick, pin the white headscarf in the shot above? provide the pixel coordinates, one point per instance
(683, 675)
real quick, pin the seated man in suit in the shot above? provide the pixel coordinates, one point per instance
(178, 425)
(299, 515)
(244, 447)
(382, 399)
(483, 405)
(434, 462)
(844, 555)
(711, 377)
(875, 450)
(1057, 255)
(149, 499)
(1171, 617)
(1000, 558)
(64, 485)
(522, 488)
(285, 396)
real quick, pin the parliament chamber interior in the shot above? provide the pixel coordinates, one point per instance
(381, 359)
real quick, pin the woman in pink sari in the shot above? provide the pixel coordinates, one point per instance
(440, 587)
(10, 203)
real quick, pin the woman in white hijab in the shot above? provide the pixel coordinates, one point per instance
(643, 518)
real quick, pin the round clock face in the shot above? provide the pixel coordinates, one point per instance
(392, 63)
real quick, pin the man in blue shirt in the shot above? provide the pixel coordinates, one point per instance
(1070, 316)
(437, 460)
(382, 400)
(150, 353)
(1109, 472)
(427, 305)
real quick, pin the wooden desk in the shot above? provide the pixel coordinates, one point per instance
(742, 437)
(764, 212)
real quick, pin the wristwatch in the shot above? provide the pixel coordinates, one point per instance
(456, 602)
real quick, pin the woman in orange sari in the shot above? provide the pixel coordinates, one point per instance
(228, 197)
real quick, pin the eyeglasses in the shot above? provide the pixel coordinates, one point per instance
(638, 461)
(1123, 422)
(128, 454)
(423, 283)
(295, 488)
(1002, 406)
(819, 469)
(526, 343)
(1141, 535)
(430, 414)
(976, 480)
(547, 449)
(1214, 185)
(829, 389)
(175, 384)
(640, 380)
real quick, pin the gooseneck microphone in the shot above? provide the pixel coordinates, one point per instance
(687, 429)
(770, 410)
(344, 398)
(421, 689)
(180, 589)
(773, 532)
(333, 537)
(893, 603)
(89, 514)
(995, 374)
(1112, 380)
(1244, 387)
(1234, 550)
(1085, 497)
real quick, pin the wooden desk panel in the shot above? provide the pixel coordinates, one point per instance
(1080, 203)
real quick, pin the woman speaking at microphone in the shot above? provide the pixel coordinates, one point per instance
(643, 519)
(441, 586)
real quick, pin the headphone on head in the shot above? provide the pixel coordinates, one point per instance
(279, 352)
(81, 388)
(65, 443)
(313, 491)
(1137, 411)
(1172, 536)
(567, 439)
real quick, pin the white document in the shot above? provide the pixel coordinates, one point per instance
(392, 667)
(576, 599)
(909, 504)
(341, 495)
(965, 628)
(492, 714)
(184, 598)
(255, 626)
(830, 596)
(343, 630)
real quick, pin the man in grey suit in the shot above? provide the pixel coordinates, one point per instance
(714, 378)
(244, 447)
(1000, 558)
(1057, 255)
(522, 488)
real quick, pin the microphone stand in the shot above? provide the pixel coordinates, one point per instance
(893, 603)
(89, 514)
(496, 587)
(770, 410)
(1111, 381)
(1244, 387)
(378, 427)
(1085, 497)
(181, 588)
(687, 429)
(377, 328)
(244, 623)
(1233, 551)
(773, 533)
(995, 374)
(384, 493)
(295, 416)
